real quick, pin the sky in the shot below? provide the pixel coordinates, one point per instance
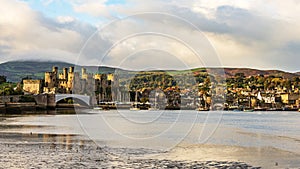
(157, 34)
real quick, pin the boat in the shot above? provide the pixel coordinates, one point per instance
(202, 109)
(272, 109)
(134, 108)
(259, 109)
(95, 110)
(123, 105)
(289, 109)
(98, 108)
(248, 110)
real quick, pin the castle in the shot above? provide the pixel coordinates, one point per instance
(69, 81)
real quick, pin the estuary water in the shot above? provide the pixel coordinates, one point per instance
(164, 130)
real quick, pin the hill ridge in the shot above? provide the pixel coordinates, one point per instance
(16, 70)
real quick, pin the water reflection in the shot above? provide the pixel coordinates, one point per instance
(36, 112)
(255, 129)
(57, 141)
(19, 126)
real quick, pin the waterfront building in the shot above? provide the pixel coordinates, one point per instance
(32, 86)
(289, 98)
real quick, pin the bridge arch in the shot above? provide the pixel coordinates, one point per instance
(82, 99)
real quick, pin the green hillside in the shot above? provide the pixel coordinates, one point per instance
(16, 70)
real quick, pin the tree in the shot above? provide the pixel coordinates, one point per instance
(239, 75)
(2, 79)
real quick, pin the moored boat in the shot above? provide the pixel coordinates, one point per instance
(98, 108)
(134, 108)
(202, 109)
(259, 109)
(248, 110)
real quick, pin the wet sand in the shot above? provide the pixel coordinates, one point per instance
(61, 151)
(266, 157)
(50, 155)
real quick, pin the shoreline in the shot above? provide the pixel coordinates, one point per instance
(71, 110)
(89, 155)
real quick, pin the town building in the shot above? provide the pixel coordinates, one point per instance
(289, 98)
(32, 86)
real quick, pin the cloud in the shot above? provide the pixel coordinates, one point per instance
(244, 38)
(244, 33)
(95, 8)
(65, 19)
(30, 34)
(140, 35)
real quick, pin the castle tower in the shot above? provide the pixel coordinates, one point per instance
(51, 79)
(83, 71)
(70, 78)
(84, 74)
(71, 69)
(65, 73)
(48, 79)
(55, 70)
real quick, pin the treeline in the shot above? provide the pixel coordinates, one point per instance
(202, 81)
(166, 80)
(261, 82)
(8, 88)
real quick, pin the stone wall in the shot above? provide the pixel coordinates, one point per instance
(45, 100)
(11, 98)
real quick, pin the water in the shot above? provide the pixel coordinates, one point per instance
(165, 129)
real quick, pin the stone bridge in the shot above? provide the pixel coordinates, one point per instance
(81, 98)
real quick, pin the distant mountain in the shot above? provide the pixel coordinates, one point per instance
(16, 70)
(230, 72)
